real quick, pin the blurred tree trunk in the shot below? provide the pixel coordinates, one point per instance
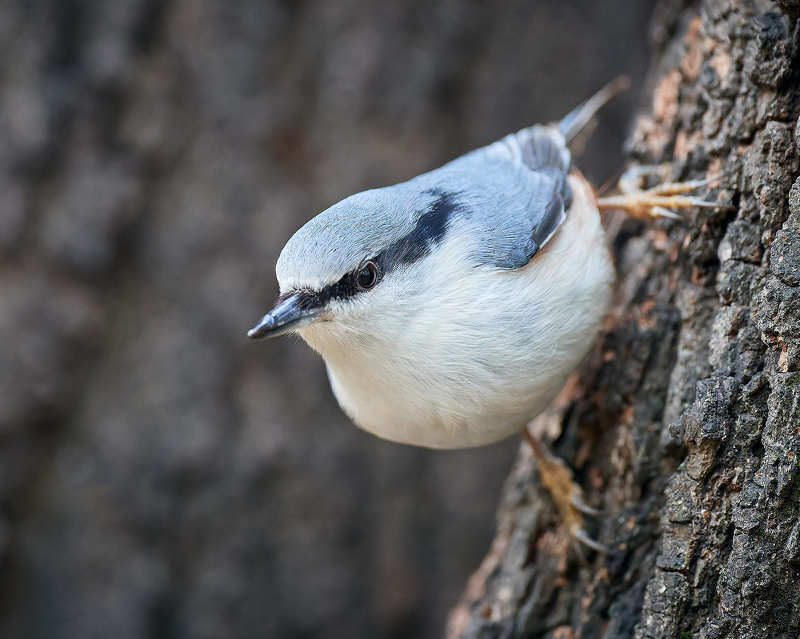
(684, 424)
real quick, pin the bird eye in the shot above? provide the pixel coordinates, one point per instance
(367, 276)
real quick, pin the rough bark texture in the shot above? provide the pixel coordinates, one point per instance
(160, 476)
(684, 425)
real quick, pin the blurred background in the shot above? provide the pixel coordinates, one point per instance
(161, 476)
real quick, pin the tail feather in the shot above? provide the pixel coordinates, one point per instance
(541, 147)
(578, 118)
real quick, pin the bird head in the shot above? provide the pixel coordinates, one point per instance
(358, 262)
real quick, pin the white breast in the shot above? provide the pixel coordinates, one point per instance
(474, 364)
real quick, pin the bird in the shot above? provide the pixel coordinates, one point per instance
(449, 309)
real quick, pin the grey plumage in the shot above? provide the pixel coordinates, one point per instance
(513, 196)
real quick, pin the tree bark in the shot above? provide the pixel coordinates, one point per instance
(684, 424)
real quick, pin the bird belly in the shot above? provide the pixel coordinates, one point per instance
(440, 422)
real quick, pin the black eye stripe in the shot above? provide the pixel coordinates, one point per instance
(430, 230)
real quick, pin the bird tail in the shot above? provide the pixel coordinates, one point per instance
(574, 122)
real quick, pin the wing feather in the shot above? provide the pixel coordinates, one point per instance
(513, 194)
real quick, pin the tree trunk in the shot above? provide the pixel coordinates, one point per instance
(684, 424)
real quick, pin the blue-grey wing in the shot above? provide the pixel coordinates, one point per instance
(511, 196)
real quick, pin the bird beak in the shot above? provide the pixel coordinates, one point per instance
(288, 315)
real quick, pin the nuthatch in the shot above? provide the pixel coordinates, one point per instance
(450, 309)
